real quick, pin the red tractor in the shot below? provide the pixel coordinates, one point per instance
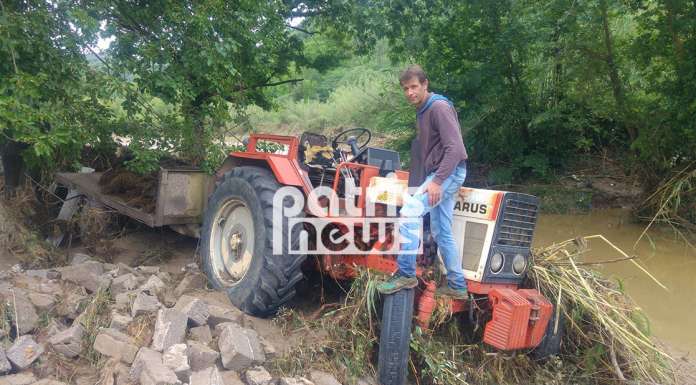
(493, 230)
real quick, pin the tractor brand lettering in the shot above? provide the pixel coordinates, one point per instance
(477, 203)
(474, 208)
(324, 231)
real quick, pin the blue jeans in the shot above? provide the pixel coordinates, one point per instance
(416, 206)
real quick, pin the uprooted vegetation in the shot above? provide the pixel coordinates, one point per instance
(136, 189)
(673, 203)
(607, 334)
(29, 221)
(606, 337)
(17, 237)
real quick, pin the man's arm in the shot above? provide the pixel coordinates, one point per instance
(445, 121)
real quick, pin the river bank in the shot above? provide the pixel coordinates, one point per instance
(592, 183)
(171, 252)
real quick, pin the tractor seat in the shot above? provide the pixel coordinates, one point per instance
(319, 156)
(316, 157)
(314, 150)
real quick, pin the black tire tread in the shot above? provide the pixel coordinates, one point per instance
(550, 345)
(279, 273)
(395, 337)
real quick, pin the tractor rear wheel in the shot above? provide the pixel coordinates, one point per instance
(394, 338)
(237, 243)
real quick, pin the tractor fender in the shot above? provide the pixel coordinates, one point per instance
(286, 171)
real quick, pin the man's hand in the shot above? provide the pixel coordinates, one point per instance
(434, 191)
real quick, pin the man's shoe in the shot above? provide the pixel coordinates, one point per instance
(453, 293)
(396, 283)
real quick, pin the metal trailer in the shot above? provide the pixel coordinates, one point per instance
(180, 200)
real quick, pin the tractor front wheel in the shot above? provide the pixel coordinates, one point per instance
(395, 336)
(237, 243)
(551, 343)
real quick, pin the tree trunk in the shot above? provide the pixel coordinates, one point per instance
(7, 241)
(12, 165)
(557, 92)
(676, 40)
(511, 73)
(198, 141)
(194, 118)
(614, 77)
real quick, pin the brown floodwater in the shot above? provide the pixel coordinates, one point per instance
(672, 261)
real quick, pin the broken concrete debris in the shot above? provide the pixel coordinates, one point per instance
(24, 352)
(5, 365)
(176, 358)
(170, 329)
(258, 376)
(201, 356)
(181, 347)
(25, 317)
(144, 303)
(239, 347)
(113, 343)
(143, 356)
(69, 341)
(195, 310)
(207, 376)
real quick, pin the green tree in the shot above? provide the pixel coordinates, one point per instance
(208, 58)
(665, 47)
(476, 53)
(536, 82)
(50, 98)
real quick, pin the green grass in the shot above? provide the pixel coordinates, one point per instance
(95, 316)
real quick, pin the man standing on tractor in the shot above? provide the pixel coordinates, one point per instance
(438, 168)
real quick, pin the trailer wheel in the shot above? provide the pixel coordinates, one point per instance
(397, 314)
(551, 343)
(237, 243)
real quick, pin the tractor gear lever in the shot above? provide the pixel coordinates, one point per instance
(353, 143)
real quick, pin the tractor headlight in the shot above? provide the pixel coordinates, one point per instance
(519, 263)
(497, 262)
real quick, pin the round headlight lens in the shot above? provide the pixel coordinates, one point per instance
(497, 262)
(519, 263)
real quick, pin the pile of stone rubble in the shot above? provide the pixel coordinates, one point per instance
(159, 332)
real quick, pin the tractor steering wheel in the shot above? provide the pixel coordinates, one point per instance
(352, 137)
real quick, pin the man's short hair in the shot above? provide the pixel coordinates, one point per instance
(413, 71)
